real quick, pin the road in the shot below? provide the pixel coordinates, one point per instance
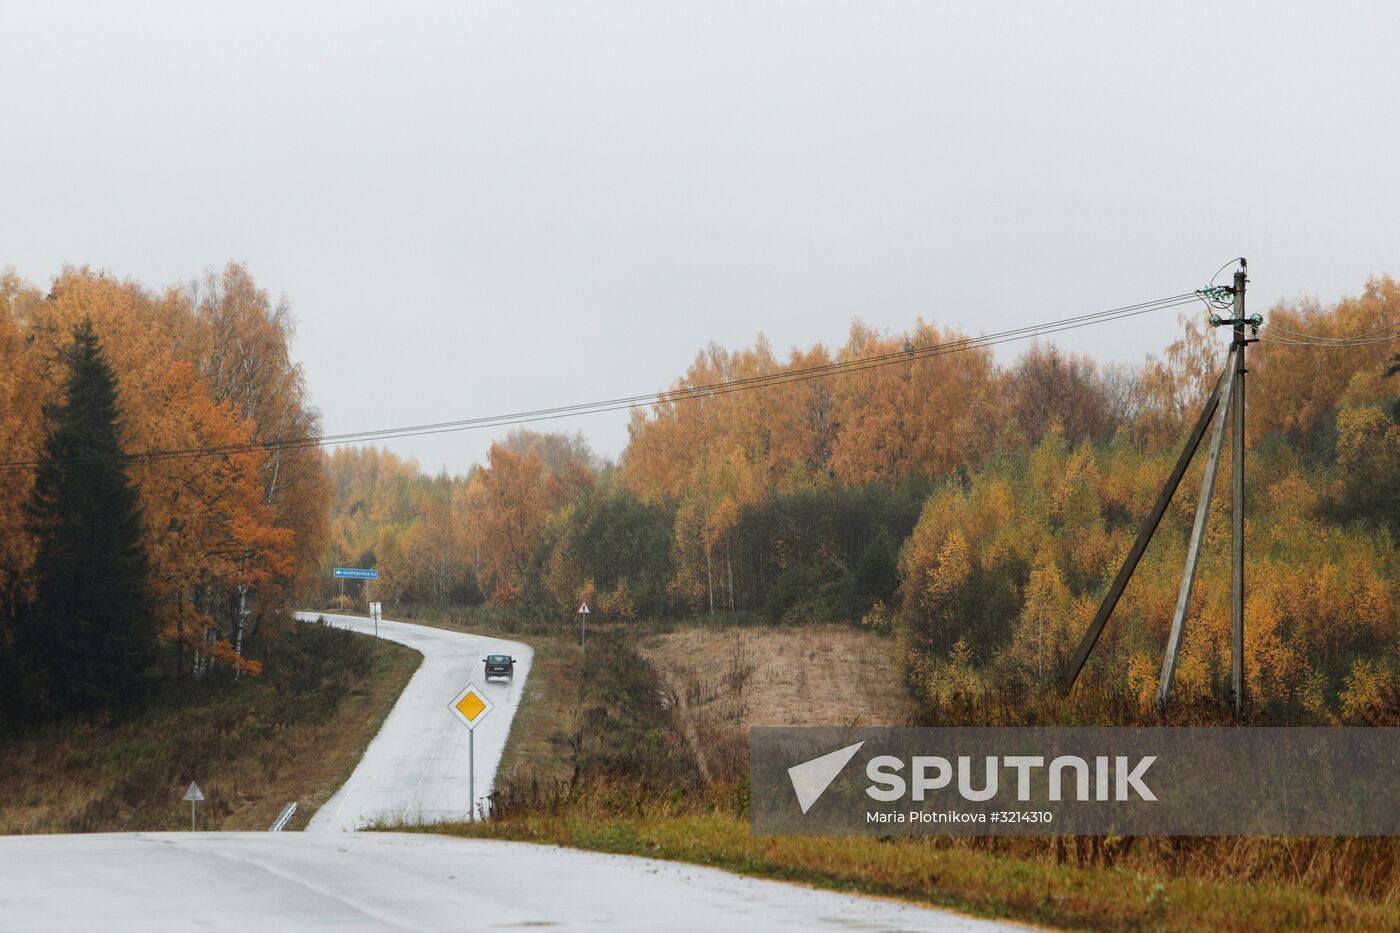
(415, 770)
(397, 881)
(331, 879)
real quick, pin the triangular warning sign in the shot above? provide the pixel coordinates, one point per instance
(194, 793)
(583, 610)
(811, 778)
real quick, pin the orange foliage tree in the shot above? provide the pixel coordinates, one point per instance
(219, 529)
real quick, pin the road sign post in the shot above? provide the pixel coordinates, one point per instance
(193, 794)
(352, 573)
(471, 706)
(583, 627)
(376, 612)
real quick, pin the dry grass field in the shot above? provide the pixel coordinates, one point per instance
(722, 680)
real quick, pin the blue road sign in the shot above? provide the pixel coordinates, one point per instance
(355, 573)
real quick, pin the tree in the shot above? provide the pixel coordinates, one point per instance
(21, 435)
(929, 415)
(512, 500)
(88, 638)
(243, 356)
(1048, 385)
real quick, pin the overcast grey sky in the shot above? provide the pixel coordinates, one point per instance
(486, 207)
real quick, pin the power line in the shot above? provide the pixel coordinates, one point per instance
(1314, 340)
(1369, 333)
(1284, 341)
(683, 393)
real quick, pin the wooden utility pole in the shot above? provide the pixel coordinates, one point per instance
(1227, 396)
(1198, 535)
(1144, 538)
(1237, 496)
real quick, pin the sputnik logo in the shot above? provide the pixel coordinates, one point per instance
(811, 778)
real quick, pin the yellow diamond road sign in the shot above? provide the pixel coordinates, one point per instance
(471, 706)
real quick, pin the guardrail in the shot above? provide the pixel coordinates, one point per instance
(284, 818)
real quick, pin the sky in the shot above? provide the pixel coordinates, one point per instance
(478, 208)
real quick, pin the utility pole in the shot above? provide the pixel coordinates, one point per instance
(1237, 497)
(1239, 322)
(1144, 538)
(1228, 397)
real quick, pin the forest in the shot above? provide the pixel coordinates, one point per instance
(120, 571)
(972, 511)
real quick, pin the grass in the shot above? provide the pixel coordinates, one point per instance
(606, 756)
(960, 878)
(540, 736)
(812, 675)
(255, 745)
(724, 679)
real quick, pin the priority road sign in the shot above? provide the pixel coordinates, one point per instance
(471, 706)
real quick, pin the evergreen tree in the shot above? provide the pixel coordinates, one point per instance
(88, 640)
(11, 695)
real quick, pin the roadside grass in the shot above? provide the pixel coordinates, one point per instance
(255, 745)
(539, 747)
(980, 883)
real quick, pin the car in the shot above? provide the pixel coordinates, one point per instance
(500, 665)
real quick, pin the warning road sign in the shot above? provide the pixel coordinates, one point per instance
(194, 795)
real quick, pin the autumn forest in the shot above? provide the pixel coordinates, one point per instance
(970, 510)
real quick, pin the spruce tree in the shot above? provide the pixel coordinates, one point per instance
(89, 638)
(12, 705)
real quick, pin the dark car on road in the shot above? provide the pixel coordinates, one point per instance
(500, 665)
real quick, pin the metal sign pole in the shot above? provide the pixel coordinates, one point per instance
(471, 770)
(193, 794)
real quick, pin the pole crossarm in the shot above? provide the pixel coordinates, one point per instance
(1125, 573)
